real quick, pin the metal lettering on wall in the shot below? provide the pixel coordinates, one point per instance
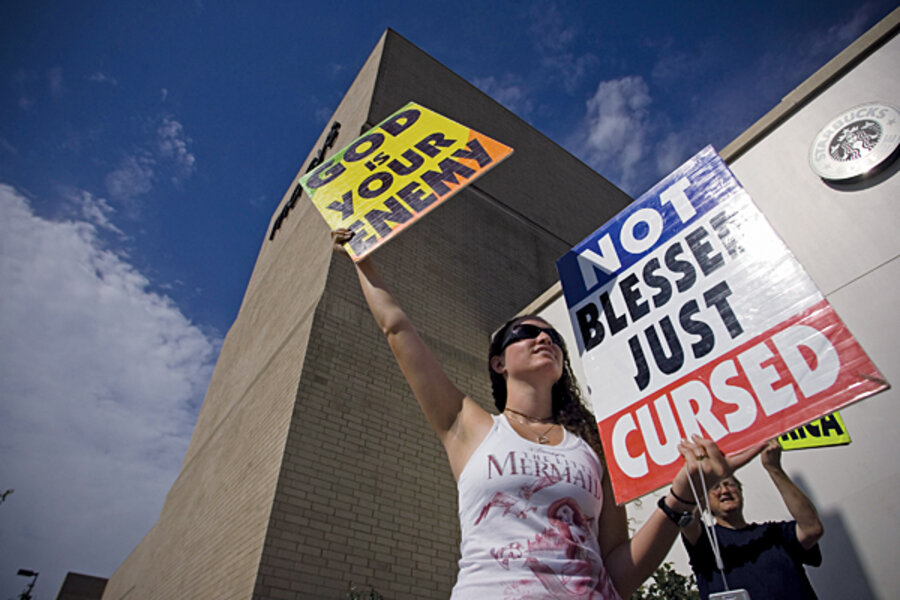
(856, 143)
(317, 160)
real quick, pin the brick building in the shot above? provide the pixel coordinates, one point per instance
(311, 466)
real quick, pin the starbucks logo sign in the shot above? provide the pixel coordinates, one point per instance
(856, 142)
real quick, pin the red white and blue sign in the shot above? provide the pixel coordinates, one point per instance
(692, 316)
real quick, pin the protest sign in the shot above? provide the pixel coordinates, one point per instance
(827, 431)
(692, 317)
(396, 172)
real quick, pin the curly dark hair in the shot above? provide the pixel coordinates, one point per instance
(569, 409)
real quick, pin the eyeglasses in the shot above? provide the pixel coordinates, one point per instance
(727, 483)
(527, 331)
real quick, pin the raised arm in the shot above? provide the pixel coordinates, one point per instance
(693, 531)
(633, 561)
(630, 563)
(457, 420)
(809, 527)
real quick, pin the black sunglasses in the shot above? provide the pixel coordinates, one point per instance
(527, 331)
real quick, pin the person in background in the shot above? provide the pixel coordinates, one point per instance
(766, 559)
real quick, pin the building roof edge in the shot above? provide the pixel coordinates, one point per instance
(814, 85)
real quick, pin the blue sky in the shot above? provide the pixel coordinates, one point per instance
(144, 147)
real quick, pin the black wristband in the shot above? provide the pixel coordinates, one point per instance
(680, 499)
(681, 519)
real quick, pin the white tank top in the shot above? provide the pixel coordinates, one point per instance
(528, 518)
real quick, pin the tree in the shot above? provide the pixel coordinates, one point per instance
(668, 584)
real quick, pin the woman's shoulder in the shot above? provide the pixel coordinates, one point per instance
(473, 425)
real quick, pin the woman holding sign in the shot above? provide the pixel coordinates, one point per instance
(537, 517)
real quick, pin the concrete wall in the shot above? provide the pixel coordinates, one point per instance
(846, 238)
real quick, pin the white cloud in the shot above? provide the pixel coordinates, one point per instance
(570, 68)
(815, 48)
(28, 85)
(722, 106)
(508, 91)
(132, 178)
(96, 211)
(322, 114)
(614, 135)
(674, 67)
(554, 36)
(7, 147)
(99, 379)
(670, 152)
(845, 33)
(336, 69)
(99, 77)
(166, 152)
(173, 143)
(551, 30)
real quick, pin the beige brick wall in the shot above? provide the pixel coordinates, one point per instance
(208, 540)
(365, 493)
(311, 466)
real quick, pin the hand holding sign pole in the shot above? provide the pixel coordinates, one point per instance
(692, 317)
(397, 172)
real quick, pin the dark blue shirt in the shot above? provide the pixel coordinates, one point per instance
(763, 558)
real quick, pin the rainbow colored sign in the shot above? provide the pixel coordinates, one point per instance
(397, 172)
